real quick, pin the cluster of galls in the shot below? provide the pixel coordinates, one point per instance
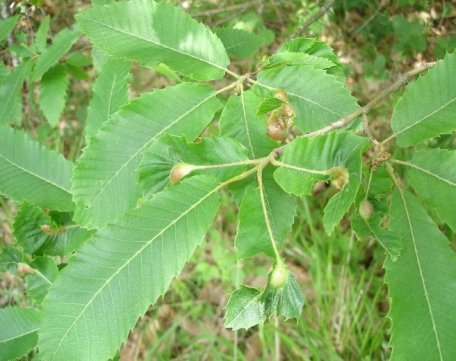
(280, 120)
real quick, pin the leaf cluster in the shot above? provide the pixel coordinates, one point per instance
(101, 240)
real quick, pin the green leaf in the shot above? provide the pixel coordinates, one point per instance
(409, 35)
(220, 157)
(319, 99)
(381, 183)
(244, 309)
(268, 105)
(16, 112)
(51, 55)
(433, 175)
(123, 269)
(428, 105)
(9, 258)
(29, 171)
(78, 59)
(238, 43)
(3, 72)
(301, 59)
(39, 232)
(7, 26)
(306, 161)
(134, 127)
(53, 89)
(252, 235)
(151, 33)
(314, 49)
(18, 331)
(10, 90)
(42, 35)
(286, 301)
(21, 51)
(370, 228)
(421, 286)
(310, 46)
(240, 121)
(44, 272)
(110, 91)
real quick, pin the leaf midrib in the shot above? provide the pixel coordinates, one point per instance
(19, 336)
(419, 121)
(36, 175)
(156, 43)
(129, 260)
(438, 177)
(247, 129)
(253, 300)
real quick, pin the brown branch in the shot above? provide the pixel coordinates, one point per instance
(227, 8)
(302, 28)
(342, 122)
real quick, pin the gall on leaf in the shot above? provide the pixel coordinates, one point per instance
(339, 177)
(365, 209)
(281, 94)
(179, 171)
(277, 131)
(278, 277)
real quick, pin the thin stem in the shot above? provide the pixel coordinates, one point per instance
(342, 122)
(369, 183)
(302, 28)
(276, 338)
(392, 175)
(266, 214)
(278, 163)
(224, 165)
(226, 8)
(232, 73)
(262, 162)
(403, 80)
(228, 87)
(366, 126)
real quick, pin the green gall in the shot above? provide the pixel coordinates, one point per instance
(279, 276)
(366, 209)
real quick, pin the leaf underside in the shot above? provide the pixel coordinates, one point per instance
(122, 270)
(252, 235)
(318, 98)
(169, 151)
(110, 91)
(432, 173)
(152, 33)
(428, 105)
(29, 171)
(114, 153)
(239, 120)
(18, 331)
